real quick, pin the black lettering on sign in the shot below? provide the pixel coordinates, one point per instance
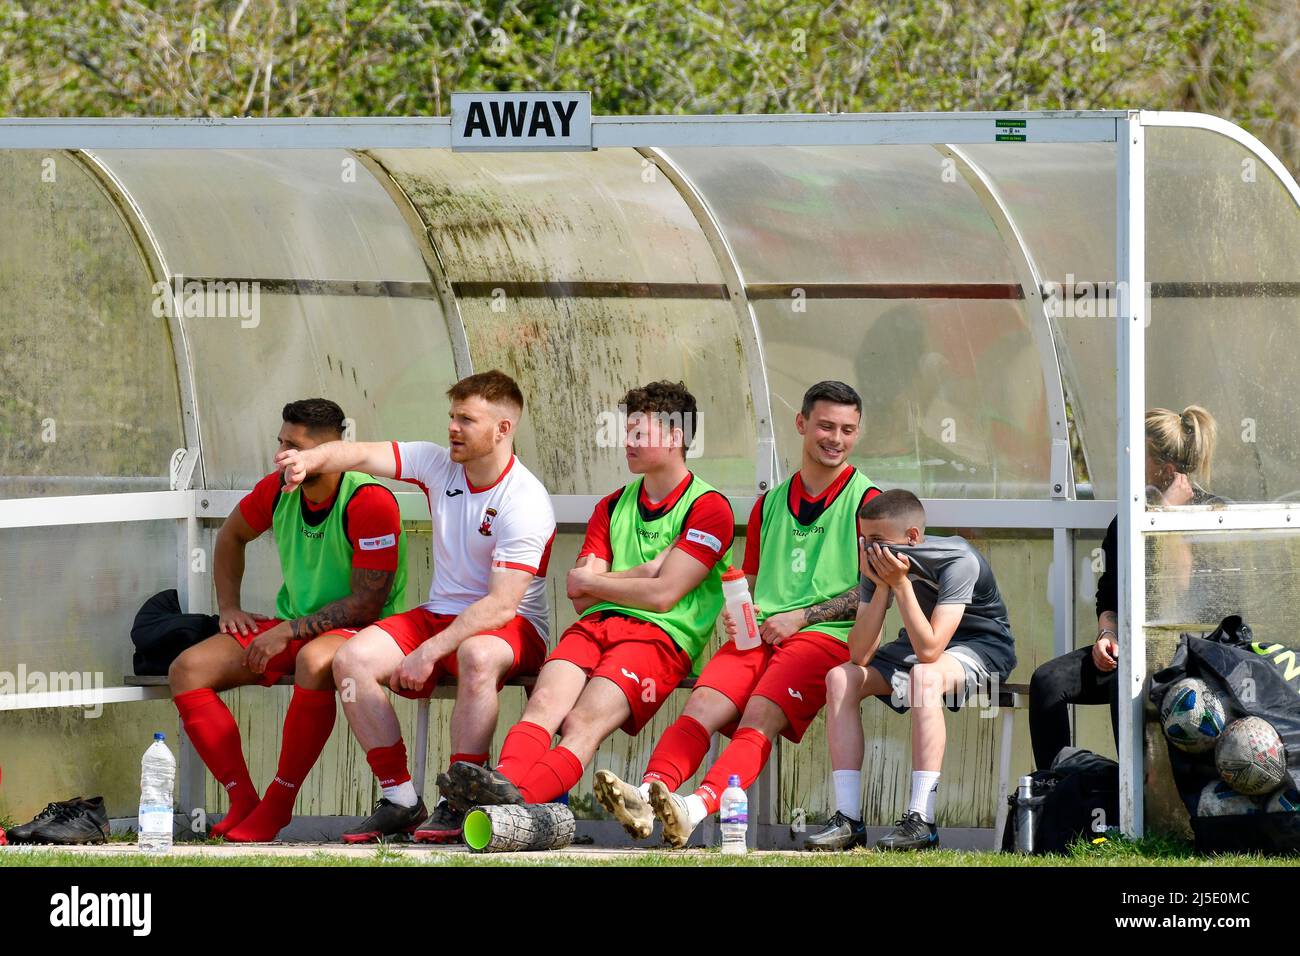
(476, 119)
(564, 117)
(509, 118)
(541, 117)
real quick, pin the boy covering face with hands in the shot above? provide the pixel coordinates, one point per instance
(955, 638)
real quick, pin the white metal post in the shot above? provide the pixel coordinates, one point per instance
(1131, 458)
(1062, 586)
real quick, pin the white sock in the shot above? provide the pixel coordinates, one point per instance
(848, 792)
(644, 790)
(695, 809)
(925, 789)
(403, 794)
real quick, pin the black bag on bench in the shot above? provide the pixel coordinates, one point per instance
(161, 631)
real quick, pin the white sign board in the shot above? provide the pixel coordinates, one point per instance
(520, 121)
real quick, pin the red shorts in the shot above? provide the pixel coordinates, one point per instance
(640, 657)
(412, 628)
(791, 675)
(283, 663)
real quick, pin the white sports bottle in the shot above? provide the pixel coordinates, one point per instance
(735, 592)
(157, 778)
(734, 811)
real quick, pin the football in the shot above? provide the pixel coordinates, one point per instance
(1286, 800)
(1192, 715)
(1220, 800)
(1250, 756)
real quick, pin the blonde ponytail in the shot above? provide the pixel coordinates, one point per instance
(1185, 440)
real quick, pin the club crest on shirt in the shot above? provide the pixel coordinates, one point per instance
(485, 527)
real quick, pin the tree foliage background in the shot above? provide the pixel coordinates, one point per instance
(1236, 59)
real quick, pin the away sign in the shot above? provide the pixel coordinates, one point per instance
(520, 121)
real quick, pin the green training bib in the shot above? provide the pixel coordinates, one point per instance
(636, 541)
(801, 565)
(316, 559)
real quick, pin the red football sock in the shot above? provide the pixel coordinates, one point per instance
(307, 726)
(553, 776)
(480, 759)
(389, 764)
(744, 756)
(679, 753)
(215, 735)
(526, 744)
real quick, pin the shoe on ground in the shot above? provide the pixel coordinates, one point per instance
(74, 823)
(673, 813)
(841, 832)
(624, 802)
(388, 819)
(446, 824)
(23, 831)
(910, 833)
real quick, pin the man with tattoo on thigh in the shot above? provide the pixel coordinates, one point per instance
(343, 560)
(801, 564)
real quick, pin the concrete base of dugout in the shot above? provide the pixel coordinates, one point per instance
(324, 832)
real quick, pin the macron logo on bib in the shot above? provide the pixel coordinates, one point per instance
(704, 538)
(377, 544)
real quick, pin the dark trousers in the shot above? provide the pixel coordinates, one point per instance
(1069, 679)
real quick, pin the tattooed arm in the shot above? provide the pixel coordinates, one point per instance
(363, 606)
(843, 607)
(369, 592)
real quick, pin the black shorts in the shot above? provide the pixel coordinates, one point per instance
(894, 662)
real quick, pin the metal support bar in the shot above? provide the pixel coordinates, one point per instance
(434, 132)
(1130, 455)
(191, 783)
(1063, 619)
(88, 698)
(1028, 513)
(216, 504)
(764, 796)
(95, 509)
(709, 832)
(421, 743)
(1006, 730)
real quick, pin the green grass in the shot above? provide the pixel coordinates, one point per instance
(1151, 852)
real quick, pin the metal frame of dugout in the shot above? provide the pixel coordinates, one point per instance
(1059, 509)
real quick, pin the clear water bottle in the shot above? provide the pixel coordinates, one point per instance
(157, 780)
(735, 816)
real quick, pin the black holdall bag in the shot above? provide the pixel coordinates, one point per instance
(1253, 679)
(1077, 797)
(161, 631)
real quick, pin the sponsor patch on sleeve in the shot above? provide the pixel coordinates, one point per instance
(704, 538)
(377, 544)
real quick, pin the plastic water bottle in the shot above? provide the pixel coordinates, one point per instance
(735, 816)
(735, 592)
(157, 779)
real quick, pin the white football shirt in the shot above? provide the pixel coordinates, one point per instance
(508, 524)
